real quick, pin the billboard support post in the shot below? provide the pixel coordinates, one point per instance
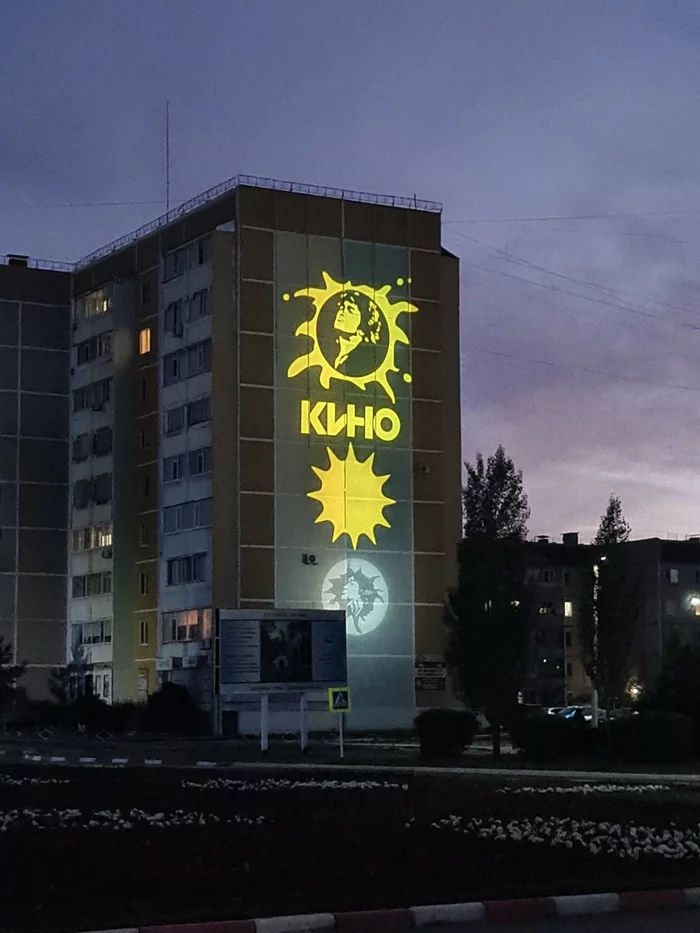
(264, 721)
(303, 728)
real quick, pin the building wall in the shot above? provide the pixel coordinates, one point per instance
(34, 340)
(329, 448)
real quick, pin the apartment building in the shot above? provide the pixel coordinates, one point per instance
(666, 575)
(265, 414)
(34, 377)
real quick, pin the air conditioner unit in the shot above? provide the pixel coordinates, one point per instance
(205, 643)
(107, 553)
(99, 406)
(190, 661)
(164, 664)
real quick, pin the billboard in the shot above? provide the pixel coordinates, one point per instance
(343, 455)
(280, 651)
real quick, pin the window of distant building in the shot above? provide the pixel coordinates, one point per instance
(545, 576)
(673, 575)
(569, 668)
(567, 639)
(568, 608)
(145, 340)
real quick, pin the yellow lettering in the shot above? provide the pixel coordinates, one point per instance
(334, 425)
(391, 432)
(304, 429)
(314, 419)
(354, 420)
(369, 422)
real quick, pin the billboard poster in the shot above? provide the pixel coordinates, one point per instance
(268, 652)
(343, 455)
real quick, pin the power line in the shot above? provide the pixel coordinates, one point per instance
(520, 260)
(600, 301)
(532, 220)
(50, 207)
(583, 369)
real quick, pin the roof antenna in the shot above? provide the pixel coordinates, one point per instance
(167, 156)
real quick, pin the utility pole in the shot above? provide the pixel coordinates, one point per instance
(594, 692)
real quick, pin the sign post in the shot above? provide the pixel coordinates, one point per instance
(303, 730)
(339, 702)
(264, 720)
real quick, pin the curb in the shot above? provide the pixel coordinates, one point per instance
(411, 918)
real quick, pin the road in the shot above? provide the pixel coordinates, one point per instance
(666, 922)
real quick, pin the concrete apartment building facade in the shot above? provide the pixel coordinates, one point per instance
(667, 573)
(264, 413)
(34, 374)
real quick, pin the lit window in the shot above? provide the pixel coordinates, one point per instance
(145, 340)
(672, 575)
(568, 608)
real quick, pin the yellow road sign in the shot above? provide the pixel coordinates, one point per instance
(339, 699)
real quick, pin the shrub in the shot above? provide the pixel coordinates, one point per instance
(541, 737)
(444, 733)
(654, 736)
(172, 711)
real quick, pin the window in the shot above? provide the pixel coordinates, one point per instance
(143, 535)
(566, 577)
(82, 493)
(96, 348)
(569, 668)
(188, 569)
(199, 411)
(92, 536)
(143, 439)
(697, 577)
(175, 263)
(199, 305)
(145, 293)
(186, 515)
(199, 461)
(672, 575)
(143, 583)
(144, 341)
(103, 488)
(173, 468)
(143, 632)
(175, 420)
(97, 632)
(545, 576)
(190, 361)
(95, 395)
(93, 305)
(142, 685)
(567, 639)
(81, 448)
(146, 485)
(568, 609)
(102, 442)
(671, 607)
(91, 584)
(173, 319)
(203, 251)
(144, 391)
(188, 625)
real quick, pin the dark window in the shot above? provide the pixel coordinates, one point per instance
(143, 439)
(567, 578)
(143, 583)
(81, 448)
(79, 586)
(173, 468)
(82, 493)
(145, 292)
(103, 488)
(144, 391)
(175, 420)
(143, 632)
(199, 461)
(173, 319)
(567, 639)
(569, 668)
(143, 535)
(146, 485)
(102, 441)
(199, 411)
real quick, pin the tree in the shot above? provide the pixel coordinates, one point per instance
(488, 614)
(495, 503)
(613, 528)
(610, 606)
(10, 673)
(677, 688)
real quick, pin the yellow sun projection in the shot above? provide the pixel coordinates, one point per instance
(351, 496)
(354, 334)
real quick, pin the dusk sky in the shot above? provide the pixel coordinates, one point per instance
(580, 334)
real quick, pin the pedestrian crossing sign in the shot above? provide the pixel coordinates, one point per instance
(339, 699)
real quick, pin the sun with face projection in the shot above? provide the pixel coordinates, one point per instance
(352, 496)
(354, 333)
